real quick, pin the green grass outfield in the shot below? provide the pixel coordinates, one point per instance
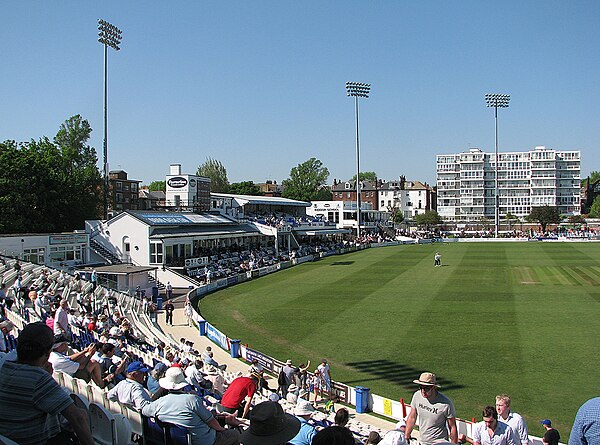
(519, 318)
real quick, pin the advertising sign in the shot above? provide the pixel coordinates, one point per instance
(74, 238)
(217, 336)
(177, 182)
(196, 262)
(264, 360)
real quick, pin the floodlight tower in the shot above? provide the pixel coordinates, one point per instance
(496, 101)
(108, 35)
(357, 90)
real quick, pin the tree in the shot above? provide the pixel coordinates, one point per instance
(305, 181)
(396, 215)
(213, 169)
(544, 215)
(366, 176)
(509, 219)
(50, 186)
(592, 177)
(158, 186)
(324, 194)
(429, 218)
(595, 208)
(577, 219)
(244, 188)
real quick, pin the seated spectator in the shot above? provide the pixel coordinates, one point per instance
(131, 391)
(341, 417)
(61, 319)
(5, 329)
(218, 381)
(334, 435)
(196, 377)
(157, 373)
(188, 411)
(373, 438)
(269, 425)
(78, 365)
(110, 366)
(31, 400)
(303, 412)
(207, 359)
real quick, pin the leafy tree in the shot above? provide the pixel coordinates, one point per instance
(595, 209)
(593, 177)
(50, 186)
(213, 169)
(544, 215)
(305, 181)
(509, 219)
(244, 188)
(397, 217)
(158, 186)
(578, 219)
(366, 176)
(429, 218)
(324, 194)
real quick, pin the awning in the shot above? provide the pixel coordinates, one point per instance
(321, 232)
(205, 232)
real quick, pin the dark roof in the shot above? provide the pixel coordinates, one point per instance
(341, 186)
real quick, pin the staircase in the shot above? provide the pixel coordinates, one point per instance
(110, 257)
(387, 230)
(153, 280)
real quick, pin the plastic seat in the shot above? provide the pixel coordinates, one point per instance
(83, 403)
(103, 425)
(6, 441)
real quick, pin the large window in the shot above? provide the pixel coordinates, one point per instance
(34, 255)
(156, 253)
(61, 254)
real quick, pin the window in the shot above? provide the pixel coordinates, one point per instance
(156, 253)
(119, 185)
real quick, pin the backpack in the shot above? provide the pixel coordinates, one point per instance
(281, 378)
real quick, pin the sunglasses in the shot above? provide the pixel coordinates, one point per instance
(425, 388)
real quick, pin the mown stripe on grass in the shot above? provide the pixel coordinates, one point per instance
(566, 273)
(582, 272)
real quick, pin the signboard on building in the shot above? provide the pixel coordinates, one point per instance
(196, 262)
(71, 238)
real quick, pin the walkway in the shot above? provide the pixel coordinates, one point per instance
(181, 329)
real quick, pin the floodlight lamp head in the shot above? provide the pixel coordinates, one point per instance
(497, 100)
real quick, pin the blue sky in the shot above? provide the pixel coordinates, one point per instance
(260, 85)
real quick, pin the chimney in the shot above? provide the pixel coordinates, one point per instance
(175, 169)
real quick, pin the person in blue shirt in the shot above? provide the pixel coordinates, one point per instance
(586, 428)
(303, 412)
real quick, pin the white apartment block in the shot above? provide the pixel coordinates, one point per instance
(411, 198)
(466, 183)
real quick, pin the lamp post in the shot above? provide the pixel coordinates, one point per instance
(108, 35)
(357, 90)
(496, 101)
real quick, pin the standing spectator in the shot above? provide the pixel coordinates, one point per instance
(492, 432)
(239, 394)
(586, 428)
(169, 290)
(434, 410)
(189, 313)
(3, 297)
(551, 436)
(325, 373)
(28, 391)
(6, 327)
(303, 375)
(61, 319)
(169, 309)
(289, 371)
(514, 420)
(94, 279)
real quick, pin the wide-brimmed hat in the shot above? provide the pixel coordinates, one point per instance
(269, 425)
(292, 388)
(115, 332)
(59, 339)
(393, 438)
(173, 379)
(288, 362)
(303, 408)
(427, 379)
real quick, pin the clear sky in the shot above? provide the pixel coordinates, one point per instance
(260, 85)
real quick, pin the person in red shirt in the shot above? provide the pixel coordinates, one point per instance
(238, 391)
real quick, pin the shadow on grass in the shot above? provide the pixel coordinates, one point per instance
(342, 263)
(396, 373)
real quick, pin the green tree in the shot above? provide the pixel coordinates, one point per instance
(245, 188)
(366, 176)
(158, 186)
(509, 219)
(216, 171)
(305, 181)
(593, 177)
(324, 194)
(396, 215)
(595, 209)
(428, 219)
(50, 186)
(578, 219)
(544, 215)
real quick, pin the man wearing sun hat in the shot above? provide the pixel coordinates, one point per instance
(188, 411)
(269, 425)
(433, 410)
(303, 411)
(131, 391)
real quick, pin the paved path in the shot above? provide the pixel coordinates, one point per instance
(181, 329)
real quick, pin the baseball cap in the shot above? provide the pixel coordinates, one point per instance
(137, 366)
(546, 422)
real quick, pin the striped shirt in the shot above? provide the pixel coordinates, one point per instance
(30, 401)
